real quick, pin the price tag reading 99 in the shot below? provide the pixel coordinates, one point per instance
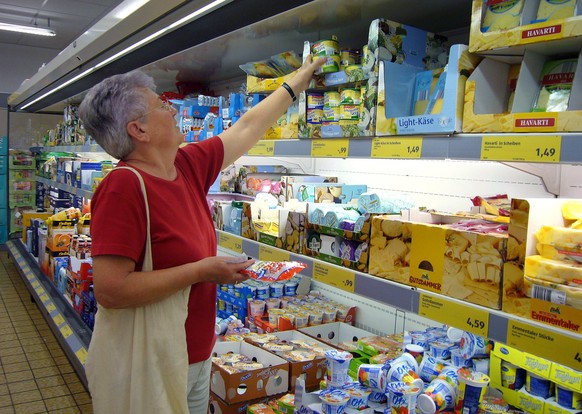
(330, 148)
(334, 276)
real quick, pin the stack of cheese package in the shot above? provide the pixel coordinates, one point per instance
(555, 274)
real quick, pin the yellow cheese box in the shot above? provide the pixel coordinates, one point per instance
(59, 235)
(527, 216)
(460, 264)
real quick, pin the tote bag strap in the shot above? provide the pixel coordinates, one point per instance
(147, 261)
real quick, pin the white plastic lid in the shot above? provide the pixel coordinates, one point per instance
(425, 404)
(454, 334)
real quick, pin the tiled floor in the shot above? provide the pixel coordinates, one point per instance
(35, 374)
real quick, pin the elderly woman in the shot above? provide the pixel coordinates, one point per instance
(137, 360)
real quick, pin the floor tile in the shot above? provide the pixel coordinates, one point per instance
(42, 363)
(52, 381)
(68, 410)
(63, 401)
(86, 409)
(66, 369)
(35, 407)
(31, 356)
(25, 397)
(82, 398)
(5, 401)
(46, 372)
(16, 367)
(15, 350)
(12, 359)
(56, 391)
(8, 337)
(22, 386)
(4, 389)
(19, 376)
(76, 386)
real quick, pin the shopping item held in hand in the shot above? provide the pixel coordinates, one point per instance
(268, 271)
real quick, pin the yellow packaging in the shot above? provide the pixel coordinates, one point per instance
(555, 9)
(557, 271)
(502, 15)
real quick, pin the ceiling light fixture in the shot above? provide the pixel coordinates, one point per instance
(128, 8)
(187, 19)
(35, 30)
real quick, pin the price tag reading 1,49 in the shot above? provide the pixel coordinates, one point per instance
(264, 148)
(408, 147)
(337, 148)
(530, 148)
(230, 242)
(340, 278)
(455, 314)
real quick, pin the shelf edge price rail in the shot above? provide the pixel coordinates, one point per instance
(454, 314)
(330, 148)
(340, 278)
(407, 147)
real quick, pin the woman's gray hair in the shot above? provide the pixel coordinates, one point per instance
(110, 105)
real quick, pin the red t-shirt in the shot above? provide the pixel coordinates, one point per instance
(181, 227)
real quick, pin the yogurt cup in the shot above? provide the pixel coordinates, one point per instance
(438, 396)
(441, 349)
(416, 351)
(458, 360)
(338, 363)
(276, 289)
(257, 307)
(421, 339)
(568, 398)
(262, 292)
(538, 386)
(358, 395)
(372, 376)
(402, 397)
(290, 288)
(274, 315)
(454, 335)
(401, 370)
(430, 368)
(472, 387)
(333, 401)
(474, 346)
(329, 314)
(449, 374)
(301, 319)
(273, 303)
(379, 397)
(315, 317)
(512, 377)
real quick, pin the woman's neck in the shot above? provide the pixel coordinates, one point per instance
(157, 168)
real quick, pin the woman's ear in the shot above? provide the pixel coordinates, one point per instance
(135, 130)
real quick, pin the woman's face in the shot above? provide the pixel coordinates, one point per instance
(159, 121)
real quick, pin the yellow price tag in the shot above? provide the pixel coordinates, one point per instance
(39, 290)
(35, 284)
(340, 278)
(397, 147)
(330, 148)
(82, 355)
(50, 307)
(66, 331)
(230, 242)
(454, 314)
(264, 147)
(59, 320)
(544, 343)
(267, 253)
(530, 148)
(43, 298)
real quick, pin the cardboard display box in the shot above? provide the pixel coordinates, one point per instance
(525, 33)
(488, 107)
(217, 406)
(527, 216)
(246, 386)
(311, 371)
(27, 215)
(59, 235)
(421, 253)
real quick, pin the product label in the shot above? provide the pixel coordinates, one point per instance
(397, 147)
(338, 148)
(58, 319)
(263, 148)
(334, 276)
(230, 242)
(555, 314)
(82, 355)
(454, 314)
(521, 148)
(543, 343)
(541, 32)
(66, 331)
(269, 254)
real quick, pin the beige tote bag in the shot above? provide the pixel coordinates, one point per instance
(137, 361)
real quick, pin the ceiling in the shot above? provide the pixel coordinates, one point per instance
(211, 48)
(69, 19)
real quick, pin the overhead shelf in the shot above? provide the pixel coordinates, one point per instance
(527, 335)
(71, 332)
(65, 187)
(541, 148)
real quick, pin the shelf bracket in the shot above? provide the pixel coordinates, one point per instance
(550, 174)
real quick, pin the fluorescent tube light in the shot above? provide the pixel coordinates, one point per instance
(35, 30)
(127, 9)
(192, 16)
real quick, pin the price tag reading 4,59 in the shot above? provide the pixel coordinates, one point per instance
(267, 253)
(454, 314)
(340, 278)
(230, 242)
(530, 148)
(265, 148)
(396, 147)
(337, 148)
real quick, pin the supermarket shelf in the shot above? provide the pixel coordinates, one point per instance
(71, 332)
(526, 334)
(455, 147)
(69, 188)
(70, 148)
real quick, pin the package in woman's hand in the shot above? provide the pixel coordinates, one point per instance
(268, 271)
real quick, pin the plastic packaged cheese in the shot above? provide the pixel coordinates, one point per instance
(562, 238)
(502, 15)
(557, 271)
(555, 9)
(555, 85)
(570, 295)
